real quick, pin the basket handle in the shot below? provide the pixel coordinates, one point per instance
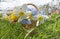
(34, 6)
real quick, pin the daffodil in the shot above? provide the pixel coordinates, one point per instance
(21, 12)
(41, 19)
(26, 18)
(13, 17)
(22, 15)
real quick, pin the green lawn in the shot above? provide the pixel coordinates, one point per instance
(48, 30)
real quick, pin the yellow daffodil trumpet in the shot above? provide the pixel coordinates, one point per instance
(40, 18)
(21, 13)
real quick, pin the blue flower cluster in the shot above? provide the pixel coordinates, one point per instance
(26, 21)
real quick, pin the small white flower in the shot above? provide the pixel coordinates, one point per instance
(40, 19)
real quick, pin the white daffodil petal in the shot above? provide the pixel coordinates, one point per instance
(37, 23)
(46, 16)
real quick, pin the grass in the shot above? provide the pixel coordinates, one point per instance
(48, 30)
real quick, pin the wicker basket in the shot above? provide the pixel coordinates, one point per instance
(33, 22)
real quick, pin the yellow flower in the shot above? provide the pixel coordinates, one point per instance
(13, 17)
(40, 18)
(21, 13)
